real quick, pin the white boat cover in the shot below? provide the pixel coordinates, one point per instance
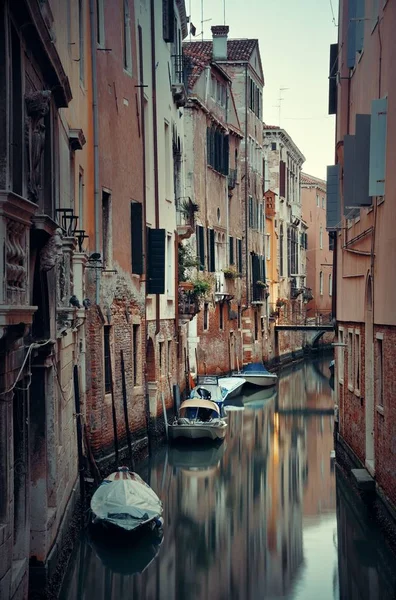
(125, 500)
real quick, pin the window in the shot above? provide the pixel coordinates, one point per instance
(273, 145)
(317, 199)
(137, 237)
(136, 352)
(231, 250)
(268, 246)
(281, 250)
(81, 25)
(221, 315)
(217, 150)
(380, 371)
(341, 351)
(357, 362)
(161, 346)
(169, 266)
(106, 229)
(251, 214)
(169, 356)
(107, 358)
(321, 237)
(206, 317)
(350, 360)
(200, 235)
(239, 316)
(168, 17)
(100, 32)
(330, 284)
(321, 283)
(255, 325)
(168, 166)
(239, 248)
(323, 202)
(81, 199)
(156, 261)
(127, 38)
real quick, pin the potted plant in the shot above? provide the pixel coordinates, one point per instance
(186, 261)
(281, 302)
(230, 272)
(261, 284)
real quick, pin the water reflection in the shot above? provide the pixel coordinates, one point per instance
(254, 517)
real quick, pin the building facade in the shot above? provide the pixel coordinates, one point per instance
(233, 72)
(319, 254)
(283, 164)
(360, 215)
(45, 133)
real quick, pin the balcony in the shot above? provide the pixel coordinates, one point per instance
(185, 215)
(259, 293)
(180, 74)
(16, 215)
(188, 303)
(224, 288)
(232, 178)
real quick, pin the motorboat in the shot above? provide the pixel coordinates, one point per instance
(123, 500)
(256, 374)
(198, 419)
(217, 389)
(251, 397)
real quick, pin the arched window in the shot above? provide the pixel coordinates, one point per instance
(321, 283)
(330, 284)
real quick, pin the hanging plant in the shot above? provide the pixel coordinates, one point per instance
(230, 273)
(261, 284)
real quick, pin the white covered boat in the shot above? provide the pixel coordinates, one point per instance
(232, 385)
(124, 500)
(198, 419)
(217, 389)
(256, 374)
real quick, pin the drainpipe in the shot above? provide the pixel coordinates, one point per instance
(95, 110)
(246, 189)
(155, 135)
(144, 166)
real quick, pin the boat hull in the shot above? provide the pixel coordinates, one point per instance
(232, 385)
(261, 380)
(197, 432)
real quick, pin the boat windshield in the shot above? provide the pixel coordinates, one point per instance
(197, 413)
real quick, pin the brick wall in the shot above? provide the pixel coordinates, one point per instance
(385, 421)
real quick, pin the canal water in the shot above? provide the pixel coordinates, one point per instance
(265, 515)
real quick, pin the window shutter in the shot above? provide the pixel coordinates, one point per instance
(360, 14)
(168, 18)
(212, 256)
(282, 178)
(156, 261)
(231, 247)
(333, 208)
(255, 268)
(349, 174)
(239, 255)
(362, 160)
(226, 150)
(137, 238)
(351, 42)
(378, 147)
(201, 247)
(333, 79)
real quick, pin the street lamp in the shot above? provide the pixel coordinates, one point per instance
(68, 221)
(81, 236)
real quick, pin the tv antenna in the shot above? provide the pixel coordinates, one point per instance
(280, 100)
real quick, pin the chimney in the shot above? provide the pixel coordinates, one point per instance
(220, 34)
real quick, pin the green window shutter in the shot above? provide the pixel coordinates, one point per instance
(211, 251)
(333, 208)
(156, 261)
(137, 238)
(231, 248)
(351, 33)
(201, 247)
(362, 161)
(377, 161)
(333, 70)
(239, 244)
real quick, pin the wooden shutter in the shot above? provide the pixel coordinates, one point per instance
(351, 34)
(333, 70)
(282, 178)
(378, 147)
(333, 208)
(255, 268)
(137, 238)
(226, 152)
(239, 244)
(211, 251)
(156, 261)
(168, 18)
(231, 249)
(362, 161)
(349, 173)
(201, 247)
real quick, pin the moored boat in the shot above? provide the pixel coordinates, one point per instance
(217, 389)
(123, 500)
(198, 419)
(256, 374)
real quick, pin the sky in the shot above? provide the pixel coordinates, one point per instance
(294, 39)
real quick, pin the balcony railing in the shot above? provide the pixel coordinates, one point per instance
(258, 293)
(188, 304)
(232, 178)
(180, 75)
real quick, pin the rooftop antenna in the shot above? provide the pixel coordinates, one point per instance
(279, 106)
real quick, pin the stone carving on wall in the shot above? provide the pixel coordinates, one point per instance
(51, 254)
(37, 106)
(65, 276)
(15, 261)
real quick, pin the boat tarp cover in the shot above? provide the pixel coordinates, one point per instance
(127, 503)
(196, 403)
(256, 368)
